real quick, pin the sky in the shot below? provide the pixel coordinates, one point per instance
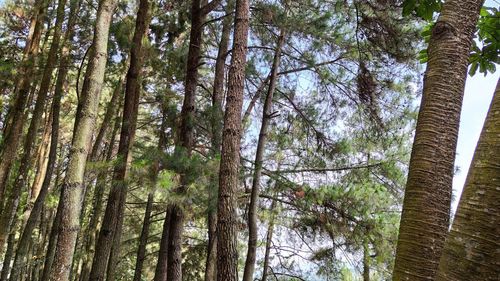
(478, 94)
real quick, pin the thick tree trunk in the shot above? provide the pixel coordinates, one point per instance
(12, 135)
(259, 157)
(216, 123)
(113, 216)
(426, 206)
(366, 262)
(73, 183)
(471, 248)
(51, 247)
(227, 251)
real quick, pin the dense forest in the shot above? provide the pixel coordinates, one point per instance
(226, 140)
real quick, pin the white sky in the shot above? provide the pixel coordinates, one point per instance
(478, 94)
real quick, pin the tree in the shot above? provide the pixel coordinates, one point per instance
(72, 190)
(470, 248)
(113, 217)
(426, 206)
(227, 253)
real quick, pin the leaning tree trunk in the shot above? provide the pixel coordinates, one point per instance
(227, 251)
(216, 124)
(98, 197)
(34, 215)
(426, 206)
(471, 248)
(12, 135)
(73, 183)
(269, 241)
(113, 216)
(259, 157)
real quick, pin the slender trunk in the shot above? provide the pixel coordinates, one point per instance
(269, 241)
(143, 240)
(52, 240)
(259, 157)
(21, 179)
(21, 253)
(41, 164)
(161, 266)
(73, 182)
(366, 262)
(471, 248)
(426, 206)
(216, 123)
(97, 206)
(113, 217)
(9, 254)
(227, 251)
(8, 148)
(199, 10)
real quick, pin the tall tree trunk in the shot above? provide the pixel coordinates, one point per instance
(12, 135)
(471, 248)
(97, 205)
(34, 215)
(143, 240)
(259, 157)
(426, 206)
(227, 251)
(199, 10)
(52, 239)
(216, 124)
(21, 179)
(73, 182)
(161, 265)
(113, 216)
(269, 241)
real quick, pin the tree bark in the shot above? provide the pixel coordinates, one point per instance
(12, 135)
(426, 206)
(97, 206)
(471, 248)
(113, 216)
(143, 240)
(54, 138)
(73, 182)
(161, 272)
(269, 241)
(216, 124)
(227, 252)
(259, 157)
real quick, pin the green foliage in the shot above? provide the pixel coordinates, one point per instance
(485, 59)
(424, 9)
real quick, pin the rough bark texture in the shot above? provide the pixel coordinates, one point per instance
(97, 206)
(259, 157)
(471, 248)
(426, 206)
(12, 135)
(34, 215)
(227, 252)
(113, 216)
(216, 124)
(51, 247)
(186, 140)
(73, 183)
